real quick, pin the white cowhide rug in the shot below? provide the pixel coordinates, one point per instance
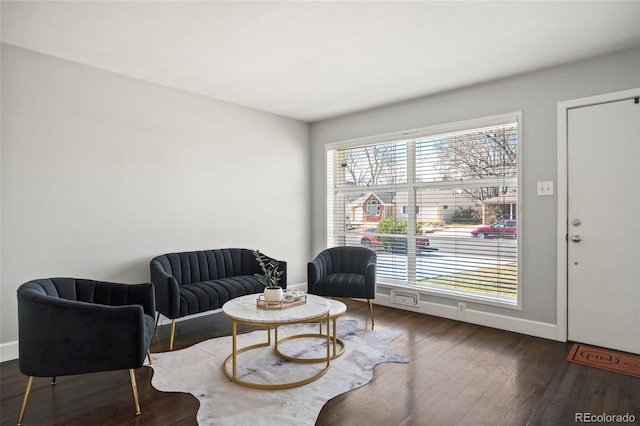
(198, 371)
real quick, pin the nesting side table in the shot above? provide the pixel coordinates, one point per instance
(337, 310)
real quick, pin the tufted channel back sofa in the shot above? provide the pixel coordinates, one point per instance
(192, 282)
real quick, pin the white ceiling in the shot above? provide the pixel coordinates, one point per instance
(316, 60)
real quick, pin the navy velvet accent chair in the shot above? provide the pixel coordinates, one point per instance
(193, 282)
(344, 272)
(69, 326)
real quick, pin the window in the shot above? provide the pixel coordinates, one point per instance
(373, 208)
(405, 209)
(439, 207)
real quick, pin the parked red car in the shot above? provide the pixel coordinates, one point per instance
(368, 239)
(500, 229)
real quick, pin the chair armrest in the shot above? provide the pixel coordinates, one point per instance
(62, 337)
(370, 276)
(315, 272)
(142, 294)
(167, 290)
(370, 280)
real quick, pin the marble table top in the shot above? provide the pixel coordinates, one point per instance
(245, 309)
(337, 308)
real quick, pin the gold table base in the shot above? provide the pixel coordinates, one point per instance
(233, 358)
(335, 340)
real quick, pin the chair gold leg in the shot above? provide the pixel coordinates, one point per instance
(173, 333)
(155, 325)
(149, 356)
(134, 387)
(371, 311)
(25, 400)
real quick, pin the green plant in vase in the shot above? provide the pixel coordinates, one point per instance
(270, 277)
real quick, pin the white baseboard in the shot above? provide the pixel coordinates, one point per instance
(9, 351)
(299, 286)
(501, 322)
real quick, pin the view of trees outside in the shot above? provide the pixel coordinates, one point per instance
(432, 192)
(383, 164)
(492, 153)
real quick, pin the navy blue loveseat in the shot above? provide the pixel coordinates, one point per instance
(192, 282)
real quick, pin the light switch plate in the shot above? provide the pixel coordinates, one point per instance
(545, 188)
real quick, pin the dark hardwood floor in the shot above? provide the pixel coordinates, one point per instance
(458, 374)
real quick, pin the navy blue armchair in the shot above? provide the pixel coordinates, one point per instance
(69, 326)
(344, 272)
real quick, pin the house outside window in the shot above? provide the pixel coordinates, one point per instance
(422, 196)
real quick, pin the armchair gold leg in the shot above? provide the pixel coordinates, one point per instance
(371, 312)
(173, 333)
(25, 400)
(149, 356)
(155, 325)
(134, 387)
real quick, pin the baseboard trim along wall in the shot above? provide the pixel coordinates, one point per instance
(9, 351)
(501, 322)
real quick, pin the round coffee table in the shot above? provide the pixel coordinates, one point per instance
(245, 310)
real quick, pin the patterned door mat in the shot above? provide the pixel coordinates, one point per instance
(605, 359)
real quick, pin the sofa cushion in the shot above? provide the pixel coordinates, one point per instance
(208, 295)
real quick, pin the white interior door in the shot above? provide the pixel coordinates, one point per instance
(603, 225)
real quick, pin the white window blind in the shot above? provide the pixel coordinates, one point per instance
(440, 209)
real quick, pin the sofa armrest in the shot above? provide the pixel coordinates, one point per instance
(167, 290)
(283, 277)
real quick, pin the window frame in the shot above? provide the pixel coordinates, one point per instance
(411, 185)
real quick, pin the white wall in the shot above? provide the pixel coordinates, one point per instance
(536, 95)
(101, 172)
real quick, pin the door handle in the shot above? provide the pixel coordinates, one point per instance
(576, 238)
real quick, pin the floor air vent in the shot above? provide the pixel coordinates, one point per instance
(405, 298)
